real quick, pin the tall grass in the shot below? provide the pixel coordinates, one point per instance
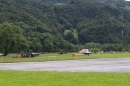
(39, 78)
(55, 57)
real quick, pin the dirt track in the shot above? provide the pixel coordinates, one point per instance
(87, 65)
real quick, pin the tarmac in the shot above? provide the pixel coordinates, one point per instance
(84, 65)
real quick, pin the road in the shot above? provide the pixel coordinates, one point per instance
(85, 65)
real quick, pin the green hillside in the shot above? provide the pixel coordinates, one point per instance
(52, 27)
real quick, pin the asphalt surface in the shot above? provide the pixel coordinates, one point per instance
(86, 65)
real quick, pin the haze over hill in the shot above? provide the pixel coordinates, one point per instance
(127, 0)
(54, 25)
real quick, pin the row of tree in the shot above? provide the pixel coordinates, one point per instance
(12, 40)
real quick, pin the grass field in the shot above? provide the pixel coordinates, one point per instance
(55, 57)
(39, 78)
(47, 78)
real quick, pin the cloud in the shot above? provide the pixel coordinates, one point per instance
(127, 0)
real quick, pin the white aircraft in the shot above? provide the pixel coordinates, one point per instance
(85, 51)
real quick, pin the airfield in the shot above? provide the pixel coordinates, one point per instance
(84, 65)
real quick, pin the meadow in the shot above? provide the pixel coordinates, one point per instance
(46, 78)
(53, 78)
(56, 57)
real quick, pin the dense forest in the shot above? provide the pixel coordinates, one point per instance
(69, 25)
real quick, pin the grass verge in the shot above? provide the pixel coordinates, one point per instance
(39, 78)
(56, 57)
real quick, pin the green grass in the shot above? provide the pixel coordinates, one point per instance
(56, 57)
(46, 78)
(39, 78)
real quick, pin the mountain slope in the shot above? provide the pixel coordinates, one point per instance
(52, 27)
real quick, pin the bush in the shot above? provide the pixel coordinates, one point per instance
(95, 50)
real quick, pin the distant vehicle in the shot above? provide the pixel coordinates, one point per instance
(30, 55)
(85, 51)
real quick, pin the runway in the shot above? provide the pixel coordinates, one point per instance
(84, 65)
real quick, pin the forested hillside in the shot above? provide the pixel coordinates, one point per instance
(67, 25)
(118, 3)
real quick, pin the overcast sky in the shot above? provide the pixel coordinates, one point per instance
(127, 0)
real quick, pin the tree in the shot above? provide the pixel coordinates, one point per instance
(92, 45)
(120, 47)
(11, 38)
(95, 50)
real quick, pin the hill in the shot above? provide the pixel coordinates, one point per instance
(54, 27)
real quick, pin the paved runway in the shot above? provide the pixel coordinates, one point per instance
(86, 65)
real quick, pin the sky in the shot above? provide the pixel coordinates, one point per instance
(127, 0)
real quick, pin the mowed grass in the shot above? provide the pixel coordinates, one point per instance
(56, 57)
(40, 78)
(52, 78)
